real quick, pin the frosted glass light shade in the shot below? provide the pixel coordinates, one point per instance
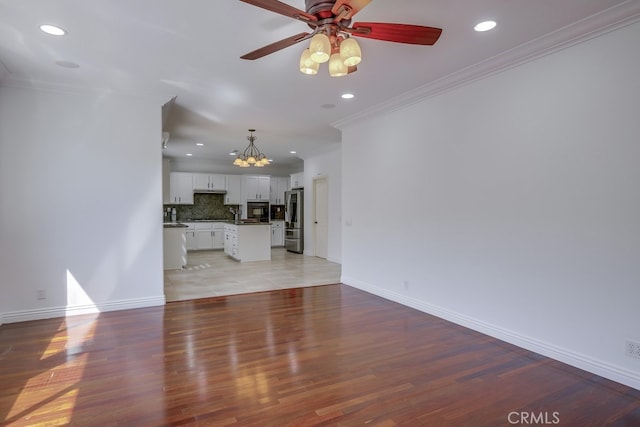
(350, 52)
(307, 65)
(336, 66)
(320, 48)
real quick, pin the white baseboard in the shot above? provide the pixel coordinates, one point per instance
(51, 312)
(581, 361)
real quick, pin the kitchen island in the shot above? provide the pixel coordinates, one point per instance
(248, 241)
(174, 246)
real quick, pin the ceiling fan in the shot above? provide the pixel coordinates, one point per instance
(332, 28)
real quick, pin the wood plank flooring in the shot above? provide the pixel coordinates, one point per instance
(326, 355)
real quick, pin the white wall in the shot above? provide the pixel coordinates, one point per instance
(326, 165)
(517, 204)
(80, 191)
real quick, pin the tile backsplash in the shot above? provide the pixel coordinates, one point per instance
(205, 206)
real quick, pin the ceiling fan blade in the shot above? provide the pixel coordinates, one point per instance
(345, 9)
(399, 33)
(283, 9)
(274, 47)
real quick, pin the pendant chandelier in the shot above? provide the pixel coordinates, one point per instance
(342, 53)
(251, 156)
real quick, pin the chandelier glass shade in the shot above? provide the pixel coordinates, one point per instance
(251, 156)
(340, 50)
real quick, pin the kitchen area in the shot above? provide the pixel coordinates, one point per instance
(240, 234)
(244, 216)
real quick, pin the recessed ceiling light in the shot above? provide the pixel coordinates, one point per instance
(234, 153)
(199, 144)
(292, 152)
(485, 26)
(188, 154)
(53, 30)
(348, 96)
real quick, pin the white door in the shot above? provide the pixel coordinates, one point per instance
(321, 216)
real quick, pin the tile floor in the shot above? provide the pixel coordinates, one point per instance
(213, 273)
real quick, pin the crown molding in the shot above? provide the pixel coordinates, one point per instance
(26, 83)
(596, 25)
(70, 89)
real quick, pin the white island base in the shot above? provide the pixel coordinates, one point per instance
(248, 242)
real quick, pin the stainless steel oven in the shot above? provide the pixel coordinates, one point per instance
(258, 210)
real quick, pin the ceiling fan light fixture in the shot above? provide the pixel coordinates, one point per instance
(336, 66)
(307, 65)
(350, 52)
(320, 48)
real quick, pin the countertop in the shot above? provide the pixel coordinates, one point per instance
(174, 225)
(247, 223)
(184, 225)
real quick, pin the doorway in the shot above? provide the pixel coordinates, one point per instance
(320, 217)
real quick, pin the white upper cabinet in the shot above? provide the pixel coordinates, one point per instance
(234, 190)
(278, 187)
(297, 180)
(166, 181)
(181, 188)
(209, 182)
(256, 188)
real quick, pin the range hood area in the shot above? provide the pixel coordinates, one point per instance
(201, 191)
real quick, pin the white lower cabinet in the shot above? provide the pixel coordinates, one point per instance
(277, 233)
(248, 242)
(174, 252)
(209, 235)
(231, 240)
(191, 236)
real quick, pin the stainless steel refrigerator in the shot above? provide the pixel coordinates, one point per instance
(294, 221)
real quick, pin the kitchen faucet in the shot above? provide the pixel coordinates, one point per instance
(236, 213)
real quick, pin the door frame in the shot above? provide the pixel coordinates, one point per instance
(316, 179)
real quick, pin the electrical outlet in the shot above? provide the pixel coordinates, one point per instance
(42, 294)
(633, 349)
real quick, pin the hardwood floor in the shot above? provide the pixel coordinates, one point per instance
(326, 355)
